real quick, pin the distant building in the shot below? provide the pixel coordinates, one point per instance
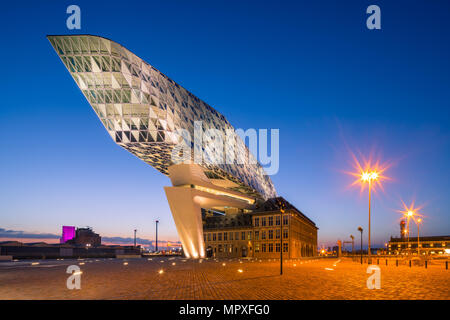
(427, 245)
(68, 233)
(86, 237)
(423, 245)
(257, 234)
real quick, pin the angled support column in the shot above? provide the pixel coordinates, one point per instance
(191, 192)
(188, 220)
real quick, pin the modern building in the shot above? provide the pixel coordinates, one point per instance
(154, 118)
(258, 234)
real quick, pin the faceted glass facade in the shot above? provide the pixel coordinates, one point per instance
(141, 109)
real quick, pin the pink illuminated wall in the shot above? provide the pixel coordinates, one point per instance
(68, 233)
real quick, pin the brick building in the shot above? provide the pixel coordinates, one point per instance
(257, 233)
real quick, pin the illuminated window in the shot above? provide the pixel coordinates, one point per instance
(249, 235)
(256, 247)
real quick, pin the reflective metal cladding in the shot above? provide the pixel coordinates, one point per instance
(142, 109)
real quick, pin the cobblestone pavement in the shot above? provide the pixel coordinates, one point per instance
(219, 279)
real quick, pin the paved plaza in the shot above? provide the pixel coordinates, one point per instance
(219, 279)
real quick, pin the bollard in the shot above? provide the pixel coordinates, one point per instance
(378, 261)
(446, 265)
(396, 262)
(426, 264)
(410, 263)
(386, 261)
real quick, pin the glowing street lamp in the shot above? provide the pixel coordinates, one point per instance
(371, 173)
(418, 221)
(369, 177)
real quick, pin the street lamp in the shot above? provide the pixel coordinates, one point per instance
(368, 177)
(412, 213)
(282, 207)
(418, 221)
(360, 229)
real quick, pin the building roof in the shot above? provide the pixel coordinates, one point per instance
(272, 205)
(245, 219)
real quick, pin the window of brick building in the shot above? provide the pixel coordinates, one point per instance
(270, 247)
(256, 235)
(270, 234)
(270, 221)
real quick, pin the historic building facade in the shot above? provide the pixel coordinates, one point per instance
(258, 234)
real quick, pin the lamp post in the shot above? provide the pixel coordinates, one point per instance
(360, 229)
(409, 215)
(156, 244)
(418, 244)
(282, 207)
(369, 177)
(135, 237)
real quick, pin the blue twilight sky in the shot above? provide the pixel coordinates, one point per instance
(310, 68)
